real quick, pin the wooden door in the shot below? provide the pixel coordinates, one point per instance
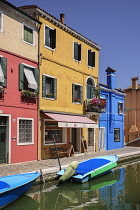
(2, 139)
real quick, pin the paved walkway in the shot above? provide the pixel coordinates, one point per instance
(50, 166)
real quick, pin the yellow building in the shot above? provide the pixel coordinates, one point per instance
(69, 72)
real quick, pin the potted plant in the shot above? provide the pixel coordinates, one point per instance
(28, 93)
(96, 105)
(78, 100)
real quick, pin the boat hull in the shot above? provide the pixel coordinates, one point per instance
(93, 168)
(13, 193)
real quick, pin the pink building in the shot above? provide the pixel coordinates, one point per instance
(132, 111)
(19, 85)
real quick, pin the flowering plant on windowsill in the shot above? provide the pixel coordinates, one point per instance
(78, 100)
(29, 94)
(96, 105)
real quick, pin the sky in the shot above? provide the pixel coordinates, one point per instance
(112, 24)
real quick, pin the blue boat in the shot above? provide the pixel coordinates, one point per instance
(12, 187)
(92, 168)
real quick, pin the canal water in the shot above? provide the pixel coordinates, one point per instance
(119, 189)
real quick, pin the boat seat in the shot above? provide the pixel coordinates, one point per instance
(4, 185)
(90, 165)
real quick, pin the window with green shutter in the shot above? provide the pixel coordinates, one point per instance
(77, 93)
(28, 78)
(49, 87)
(3, 70)
(77, 51)
(91, 58)
(50, 37)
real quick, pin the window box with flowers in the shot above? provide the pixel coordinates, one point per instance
(77, 100)
(96, 105)
(29, 94)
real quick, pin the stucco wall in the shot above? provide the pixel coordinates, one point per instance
(61, 65)
(12, 34)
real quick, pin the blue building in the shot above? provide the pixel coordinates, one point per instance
(111, 122)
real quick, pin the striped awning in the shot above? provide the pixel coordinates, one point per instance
(73, 121)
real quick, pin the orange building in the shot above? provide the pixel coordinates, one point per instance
(132, 111)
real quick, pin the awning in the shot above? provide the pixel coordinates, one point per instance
(72, 121)
(30, 78)
(1, 74)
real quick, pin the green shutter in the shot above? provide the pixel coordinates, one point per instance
(55, 88)
(21, 76)
(43, 86)
(3, 62)
(75, 50)
(53, 37)
(47, 36)
(73, 88)
(89, 57)
(37, 77)
(93, 59)
(81, 94)
(79, 52)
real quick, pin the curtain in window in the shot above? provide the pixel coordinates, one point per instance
(30, 78)
(1, 74)
(28, 35)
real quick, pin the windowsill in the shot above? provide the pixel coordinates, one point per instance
(53, 144)
(22, 144)
(49, 98)
(28, 43)
(49, 48)
(91, 67)
(77, 102)
(76, 60)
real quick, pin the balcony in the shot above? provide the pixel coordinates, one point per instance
(95, 107)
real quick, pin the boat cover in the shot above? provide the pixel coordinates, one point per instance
(90, 165)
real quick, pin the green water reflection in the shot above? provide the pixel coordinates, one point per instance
(119, 189)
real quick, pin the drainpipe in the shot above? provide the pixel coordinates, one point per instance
(38, 108)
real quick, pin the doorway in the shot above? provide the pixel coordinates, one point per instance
(74, 138)
(3, 128)
(102, 138)
(91, 142)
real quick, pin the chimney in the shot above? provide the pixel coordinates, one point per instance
(110, 77)
(134, 82)
(62, 18)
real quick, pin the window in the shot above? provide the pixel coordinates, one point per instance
(1, 21)
(76, 93)
(116, 134)
(3, 71)
(120, 108)
(53, 131)
(28, 34)
(91, 58)
(77, 51)
(49, 87)
(90, 88)
(29, 78)
(25, 129)
(50, 37)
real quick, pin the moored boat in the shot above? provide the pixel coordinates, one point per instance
(12, 187)
(92, 168)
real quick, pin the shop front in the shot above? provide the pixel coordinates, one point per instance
(64, 130)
